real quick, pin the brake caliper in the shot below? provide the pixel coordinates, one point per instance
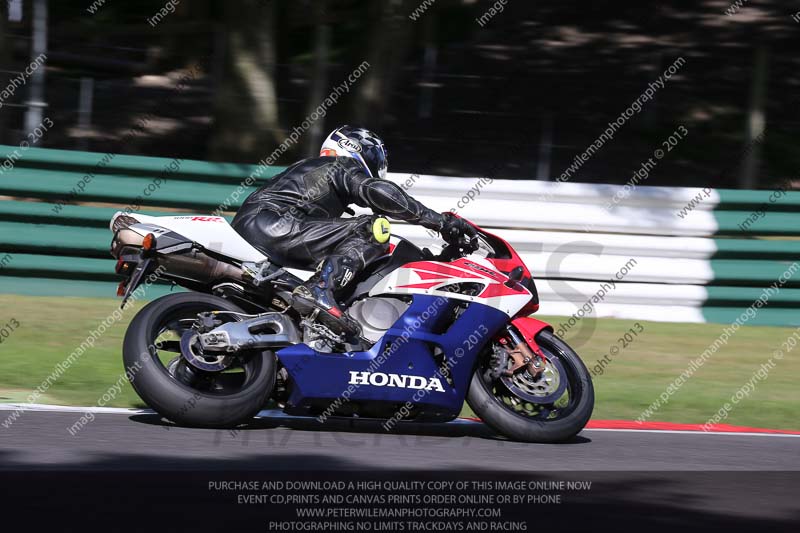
(523, 356)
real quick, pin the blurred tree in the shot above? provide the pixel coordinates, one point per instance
(5, 58)
(246, 120)
(3, 22)
(319, 75)
(756, 120)
(388, 40)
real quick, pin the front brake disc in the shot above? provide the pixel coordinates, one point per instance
(547, 387)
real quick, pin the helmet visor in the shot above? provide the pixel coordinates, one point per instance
(383, 163)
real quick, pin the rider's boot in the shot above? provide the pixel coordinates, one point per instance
(319, 292)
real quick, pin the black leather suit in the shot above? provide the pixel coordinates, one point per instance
(294, 218)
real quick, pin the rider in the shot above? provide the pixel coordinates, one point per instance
(295, 219)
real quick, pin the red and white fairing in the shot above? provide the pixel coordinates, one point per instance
(429, 277)
(214, 233)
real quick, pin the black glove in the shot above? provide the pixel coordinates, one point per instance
(456, 230)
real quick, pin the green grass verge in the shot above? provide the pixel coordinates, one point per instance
(51, 328)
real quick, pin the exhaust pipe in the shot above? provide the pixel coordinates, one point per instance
(194, 264)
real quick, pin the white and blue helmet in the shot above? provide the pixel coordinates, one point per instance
(360, 144)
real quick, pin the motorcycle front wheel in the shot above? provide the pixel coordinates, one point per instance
(227, 391)
(552, 407)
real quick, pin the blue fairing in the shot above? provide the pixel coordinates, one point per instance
(407, 349)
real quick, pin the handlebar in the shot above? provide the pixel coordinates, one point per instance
(458, 248)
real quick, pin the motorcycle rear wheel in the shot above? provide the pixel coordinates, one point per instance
(177, 390)
(524, 420)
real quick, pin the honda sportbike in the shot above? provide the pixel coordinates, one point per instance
(436, 329)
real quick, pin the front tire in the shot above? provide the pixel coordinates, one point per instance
(178, 391)
(557, 421)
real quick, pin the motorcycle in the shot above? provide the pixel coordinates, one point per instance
(436, 330)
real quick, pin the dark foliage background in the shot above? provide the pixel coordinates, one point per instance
(518, 98)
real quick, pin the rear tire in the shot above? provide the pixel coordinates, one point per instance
(174, 399)
(519, 427)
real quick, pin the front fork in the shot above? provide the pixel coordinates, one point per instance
(521, 347)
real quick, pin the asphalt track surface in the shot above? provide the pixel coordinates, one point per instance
(736, 481)
(120, 441)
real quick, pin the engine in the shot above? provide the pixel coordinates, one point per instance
(377, 315)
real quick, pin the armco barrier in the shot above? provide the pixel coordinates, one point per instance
(701, 266)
